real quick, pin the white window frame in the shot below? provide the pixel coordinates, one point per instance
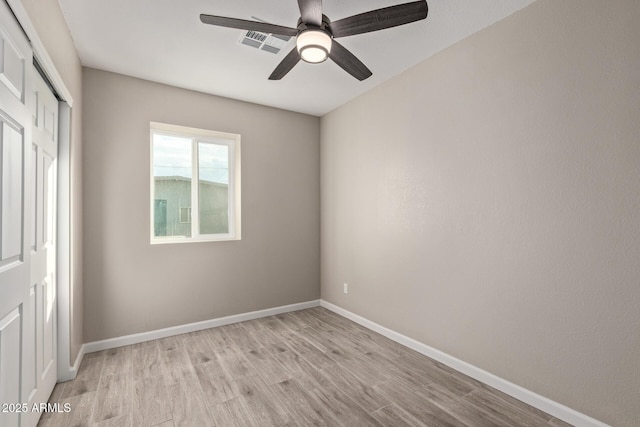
(197, 136)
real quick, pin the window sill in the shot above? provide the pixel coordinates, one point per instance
(178, 239)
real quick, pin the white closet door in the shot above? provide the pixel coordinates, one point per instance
(42, 221)
(28, 129)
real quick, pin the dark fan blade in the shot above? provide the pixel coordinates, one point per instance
(243, 24)
(286, 65)
(311, 11)
(348, 62)
(380, 19)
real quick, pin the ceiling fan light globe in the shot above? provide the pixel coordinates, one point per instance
(313, 54)
(314, 45)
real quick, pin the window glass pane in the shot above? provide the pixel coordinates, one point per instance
(213, 167)
(172, 185)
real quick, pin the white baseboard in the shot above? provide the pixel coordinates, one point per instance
(191, 327)
(549, 406)
(71, 372)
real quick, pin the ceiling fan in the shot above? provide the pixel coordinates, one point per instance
(316, 34)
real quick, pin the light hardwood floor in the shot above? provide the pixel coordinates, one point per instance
(309, 367)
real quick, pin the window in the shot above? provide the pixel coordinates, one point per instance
(185, 215)
(195, 185)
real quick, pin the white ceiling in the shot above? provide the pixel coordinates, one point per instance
(164, 41)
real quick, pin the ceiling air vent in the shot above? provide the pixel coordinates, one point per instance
(272, 43)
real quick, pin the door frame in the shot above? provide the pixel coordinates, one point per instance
(66, 369)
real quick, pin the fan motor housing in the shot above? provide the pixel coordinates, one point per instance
(314, 43)
(325, 25)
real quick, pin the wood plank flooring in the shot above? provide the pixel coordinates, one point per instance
(309, 367)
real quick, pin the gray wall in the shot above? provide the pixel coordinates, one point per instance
(132, 286)
(486, 203)
(49, 22)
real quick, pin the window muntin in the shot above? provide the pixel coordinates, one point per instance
(195, 185)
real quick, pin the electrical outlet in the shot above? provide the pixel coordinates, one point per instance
(346, 288)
